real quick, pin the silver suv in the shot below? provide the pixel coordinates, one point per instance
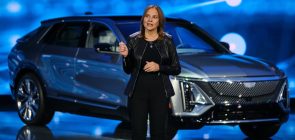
(72, 64)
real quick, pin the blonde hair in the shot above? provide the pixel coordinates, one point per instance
(160, 28)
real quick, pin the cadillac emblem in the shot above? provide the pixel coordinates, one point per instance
(249, 84)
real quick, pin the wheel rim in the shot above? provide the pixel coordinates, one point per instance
(28, 99)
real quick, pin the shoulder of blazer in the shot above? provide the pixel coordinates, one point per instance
(134, 37)
(168, 35)
(167, 39)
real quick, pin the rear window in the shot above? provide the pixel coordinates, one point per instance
(33, 34)
(67, 34)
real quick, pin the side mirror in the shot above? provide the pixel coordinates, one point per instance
(102, 47)
(226, 45)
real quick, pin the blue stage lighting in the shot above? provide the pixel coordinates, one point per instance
(4, 86)
(181, 9)
(9, 39)
(291, 83)
(3, 66)
(13, 39)
(283, 65)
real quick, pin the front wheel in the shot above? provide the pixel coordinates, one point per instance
(31, 102)
(260, 130)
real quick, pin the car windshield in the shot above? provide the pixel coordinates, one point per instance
(186, 39)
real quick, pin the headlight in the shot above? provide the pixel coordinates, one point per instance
(192, 94)
(194, 98)
(284, 96)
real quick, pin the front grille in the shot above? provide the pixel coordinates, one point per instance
(244, 89)
(233, 92)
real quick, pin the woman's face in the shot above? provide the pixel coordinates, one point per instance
(151, 20)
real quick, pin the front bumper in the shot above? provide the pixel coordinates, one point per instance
(235, 114)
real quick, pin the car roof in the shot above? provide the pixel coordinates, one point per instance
(113, 17)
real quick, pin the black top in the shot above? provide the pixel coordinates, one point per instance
(168, 57)
(151, 53)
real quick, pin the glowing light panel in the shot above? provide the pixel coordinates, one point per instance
(236, 42)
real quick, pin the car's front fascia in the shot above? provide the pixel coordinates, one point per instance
(246, 99)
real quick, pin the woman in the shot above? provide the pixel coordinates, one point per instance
(150, 57)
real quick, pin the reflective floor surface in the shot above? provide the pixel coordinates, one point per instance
(66, 126)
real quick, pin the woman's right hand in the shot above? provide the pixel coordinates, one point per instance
(123, 49)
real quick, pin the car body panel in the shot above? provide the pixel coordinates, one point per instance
(216, 65)
(56, 63)
(99, 77)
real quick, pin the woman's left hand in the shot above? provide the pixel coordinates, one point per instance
(151, 67)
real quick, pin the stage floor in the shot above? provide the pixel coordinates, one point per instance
(66, 126)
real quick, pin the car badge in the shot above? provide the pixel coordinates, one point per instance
(249, 84)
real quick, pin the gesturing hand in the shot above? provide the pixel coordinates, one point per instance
(123, 49)
(151, 67)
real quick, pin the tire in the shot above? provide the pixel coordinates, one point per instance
(31, 101)
(123, 130)
(260, 130)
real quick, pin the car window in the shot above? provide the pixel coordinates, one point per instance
(189, 41)
(67, 34)
(128, 28)
(102, 39)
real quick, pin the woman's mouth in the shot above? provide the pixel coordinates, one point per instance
(149, 24)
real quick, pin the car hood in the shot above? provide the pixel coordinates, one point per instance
(223, 65)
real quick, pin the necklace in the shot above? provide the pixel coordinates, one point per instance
(151, 44)
(152, 37)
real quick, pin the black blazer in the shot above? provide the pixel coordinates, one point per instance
(169, 61)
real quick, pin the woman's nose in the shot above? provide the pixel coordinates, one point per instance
(149, 18)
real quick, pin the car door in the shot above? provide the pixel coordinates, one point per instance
(99, 75)
(57, 59)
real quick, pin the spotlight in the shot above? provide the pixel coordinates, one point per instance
(233, 3)
(236, 42)
(13, 7)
